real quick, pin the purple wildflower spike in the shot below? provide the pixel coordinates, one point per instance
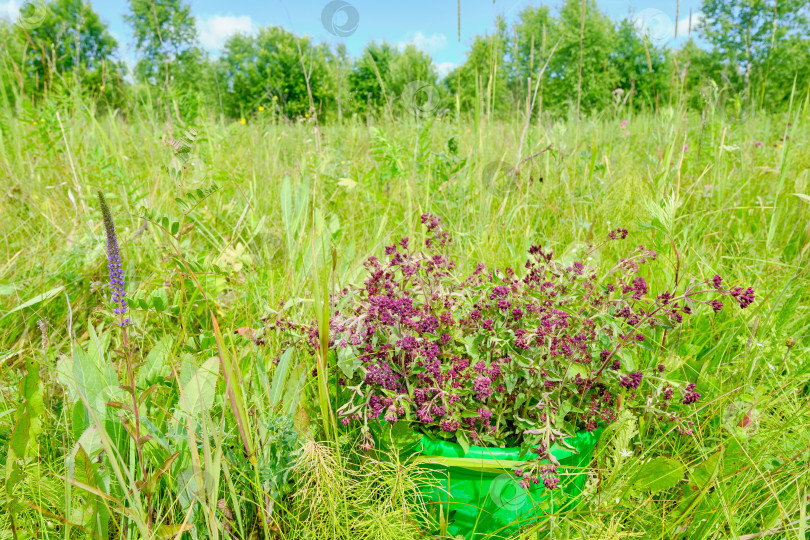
(114, 263)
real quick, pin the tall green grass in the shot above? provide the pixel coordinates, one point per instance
(223, 226)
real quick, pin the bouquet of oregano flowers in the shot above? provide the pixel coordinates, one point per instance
(502, 358)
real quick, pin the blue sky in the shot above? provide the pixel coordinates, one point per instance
(430, 25)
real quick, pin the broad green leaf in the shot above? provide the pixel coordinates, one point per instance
(155, 361)
(736, 457)
(38, 299)
(171, 531)
(159, 299)
(7, 289)
(565, 408)
(94, 515)
(84, 470)
(627, 360)
(90, 441)
(619, 434)
(201, 388)
(802, 196)
(26, 428)
(575, 369)
(348, 183)
(511, 380)
(187, 368)
(28, 425)
(348, 361)
(89, 377)
(463, 441)
(187, 488)
(79, 418)
(472, 346)
(280, 376)
(700, 482)
(23, 430)
(658, 474)
(399, 435)
(98, 346)
(158, 434)
(234, 389)
(292, 395)
(707, 471)
(149, 485)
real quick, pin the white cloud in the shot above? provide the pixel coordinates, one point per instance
(428, 44)
(216, 29)
(683, 24)
(443, 68)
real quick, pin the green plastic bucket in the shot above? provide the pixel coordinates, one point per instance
(478, 495)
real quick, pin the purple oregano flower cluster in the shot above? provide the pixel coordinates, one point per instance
(499, 359)
(114, 264)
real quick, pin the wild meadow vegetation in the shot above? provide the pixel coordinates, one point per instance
(232, 317)
(213, 240)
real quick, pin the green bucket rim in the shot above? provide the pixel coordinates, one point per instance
(451, 454)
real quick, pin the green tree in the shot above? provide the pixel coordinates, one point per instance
(279, 70)
(697, 75)
(755, 38)
(640, 66)
(413, 82)
(370, 79)
(70, 47)
(535, 35)
(788, 63)
(481, 83)
(166, 39)
(11, 78)
(340, 66)
(593, 44)
(411, 64)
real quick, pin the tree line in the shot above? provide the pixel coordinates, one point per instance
(754, 54)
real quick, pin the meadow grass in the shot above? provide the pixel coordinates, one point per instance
(701, 191)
